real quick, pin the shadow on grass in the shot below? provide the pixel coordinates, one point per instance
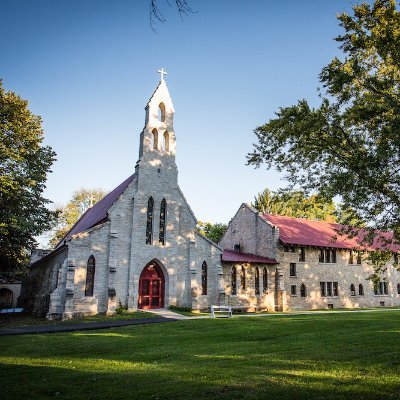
(317, 357)
(168, 380)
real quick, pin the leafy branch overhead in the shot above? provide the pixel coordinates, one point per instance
(349, 146)
(24, 165)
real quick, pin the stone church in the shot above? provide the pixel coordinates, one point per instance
(139, 247)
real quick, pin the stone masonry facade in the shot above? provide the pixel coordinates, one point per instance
(302, 281)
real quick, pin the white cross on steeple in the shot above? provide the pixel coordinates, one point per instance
(162, 73)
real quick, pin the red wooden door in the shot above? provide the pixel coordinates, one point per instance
(151, 287)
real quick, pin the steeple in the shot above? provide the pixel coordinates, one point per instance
(158, 133)
(157, 141)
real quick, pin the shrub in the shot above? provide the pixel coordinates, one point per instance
(178, 308)
(121, 308)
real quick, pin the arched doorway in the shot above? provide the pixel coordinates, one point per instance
(151, 287)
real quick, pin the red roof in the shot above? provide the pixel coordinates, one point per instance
(236, 256)
(99, 212)
(305, 232)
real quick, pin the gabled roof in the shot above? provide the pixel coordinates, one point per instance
(99, 212)
(236, 256)
(299, 231)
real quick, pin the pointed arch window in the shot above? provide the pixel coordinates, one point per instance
(154, 139)
(204, 278)
(166, 141)
(303, 290)
(398, 288)
(233, 280)
(352, 290)
(161, 112)
(90, 271)
(265, 280)
(242, 278)
(257, 281)
(149, 222)
(360, 290)
(163, 214)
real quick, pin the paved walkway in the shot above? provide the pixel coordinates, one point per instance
(88, 326)
(163, 312)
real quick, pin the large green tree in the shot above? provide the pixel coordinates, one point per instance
(213, 232)
(349, 146)
(80, 202)
(295, 204)
(24, 165)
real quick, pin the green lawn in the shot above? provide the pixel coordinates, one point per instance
(330, 356)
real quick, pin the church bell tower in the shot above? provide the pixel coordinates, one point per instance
(157, 147)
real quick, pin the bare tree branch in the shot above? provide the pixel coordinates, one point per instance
(183, 7)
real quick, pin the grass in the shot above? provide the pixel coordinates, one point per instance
(321, 356)
(20, 320)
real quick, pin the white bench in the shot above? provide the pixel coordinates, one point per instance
(227, 311)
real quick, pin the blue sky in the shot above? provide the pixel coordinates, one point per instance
(88, 68)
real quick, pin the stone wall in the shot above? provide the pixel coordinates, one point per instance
(41, 281)
(247, 297)
(254, 234)
(312, 272)
(203, 250)
(94, 242)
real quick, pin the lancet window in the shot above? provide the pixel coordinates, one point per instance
(90, 271)
(161, 112)
(242, 278)
(257, 281)
(154, 139)
(149, 222)
(166, 141)
(233, 280)
(265, 280)
(204, 278)
(163, 214)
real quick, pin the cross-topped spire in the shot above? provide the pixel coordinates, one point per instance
(162, 73)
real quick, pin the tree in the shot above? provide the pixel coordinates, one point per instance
(349, 146)
(213, 232)
(24, 165)
(295, 204)
(80, 202)
(156, 15)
